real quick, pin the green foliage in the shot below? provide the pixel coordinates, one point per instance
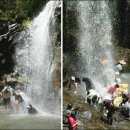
(19, 10)
(25, 23)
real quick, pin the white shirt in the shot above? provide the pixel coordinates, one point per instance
(119, 67)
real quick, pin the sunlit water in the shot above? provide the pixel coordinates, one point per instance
(95, 46)
(34, 60)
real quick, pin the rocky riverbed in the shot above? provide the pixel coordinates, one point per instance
(90, 117)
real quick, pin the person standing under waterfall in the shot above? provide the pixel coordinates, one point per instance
(18, 100)
(89, 83)
(6, 94)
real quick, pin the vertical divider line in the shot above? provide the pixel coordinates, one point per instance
(61, 64)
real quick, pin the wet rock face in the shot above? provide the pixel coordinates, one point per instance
(121, 22)
(7, 47)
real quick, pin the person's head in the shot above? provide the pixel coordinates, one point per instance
(117, 73)
(73, 78)
(118, 80)
(125, 92)
(68, 113)
(29, 107)
(94, 99)
(69, 106)
(117, 86)
(77, 80)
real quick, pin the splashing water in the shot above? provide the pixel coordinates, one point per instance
(95, 44)
(34, 60)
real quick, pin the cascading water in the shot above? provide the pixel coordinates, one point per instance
(95, 46)
(34, 59)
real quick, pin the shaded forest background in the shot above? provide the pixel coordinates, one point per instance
(19, 11)
(15, 15)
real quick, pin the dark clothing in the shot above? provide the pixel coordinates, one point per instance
(88, 82)
(110, 107)
(6, 101)
(125, 98)
(19, 98)
(32, 110)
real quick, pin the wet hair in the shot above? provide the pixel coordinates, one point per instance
(117, 86)
(69, 106)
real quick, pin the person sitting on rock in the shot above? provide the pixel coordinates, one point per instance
(18, 100)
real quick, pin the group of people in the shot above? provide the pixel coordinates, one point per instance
(11, 98)
(116, 98)
(13, 101)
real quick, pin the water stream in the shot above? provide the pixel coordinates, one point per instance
(35, 63)
(95, 46)
(34, 60)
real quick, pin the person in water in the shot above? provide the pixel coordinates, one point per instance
(18, 100)
(6, 94)
(31, 110)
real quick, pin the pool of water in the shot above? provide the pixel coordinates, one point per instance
(9, 121)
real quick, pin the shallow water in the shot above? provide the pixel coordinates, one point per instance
(9, 121)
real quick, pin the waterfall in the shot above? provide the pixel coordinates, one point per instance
(95, 46)
(35, 60)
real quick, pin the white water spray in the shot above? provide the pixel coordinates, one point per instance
(95, 44)
(34, 59)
